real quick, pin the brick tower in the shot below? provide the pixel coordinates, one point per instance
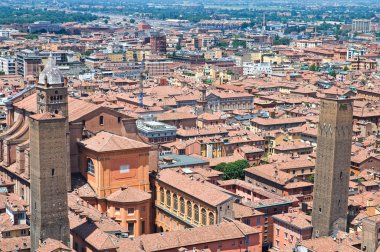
(52, 98)
(332, 167)
(48, 160)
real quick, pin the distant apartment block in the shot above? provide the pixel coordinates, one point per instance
(156, 132)
(250, 68)
(158, 67)
(43, 26)
(361, 25)
(7, 65)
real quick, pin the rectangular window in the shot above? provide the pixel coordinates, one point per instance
(258, 221)
(143, 209)
(131, 228)
(101, 120)
(277, 231)
(131, 211)
(286, 236)
(142, 227)
(124, 168)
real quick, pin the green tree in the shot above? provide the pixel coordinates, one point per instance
(281, 41)
(313, 67)
(310, 178)
(233, 170)
(239, 43)
(132, 21)
(244, 25)
(31, 36)
(333, 73)
(105, 21)
(346, 68)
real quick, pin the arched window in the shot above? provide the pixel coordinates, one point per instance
(211, 219)
(182, 206)
(175, 202)
(189, 211)
(196, 213)
(162, 196)
(90, 166)
(168, 199)
(204, 216)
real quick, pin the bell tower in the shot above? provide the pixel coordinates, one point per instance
(52, 90)
(49, 159)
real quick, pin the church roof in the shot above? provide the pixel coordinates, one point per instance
(77, 108)
(46, 116)
(51, 73)
(128, 195)
(105, 141)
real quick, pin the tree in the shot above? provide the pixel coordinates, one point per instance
(310, 178)
(31, 36)
(239, 43)
(281, 41)
(313, 67)
(105, 21)
(233, 170)
(333, 73)
(244, 25)
(132, 21)
(346, 68)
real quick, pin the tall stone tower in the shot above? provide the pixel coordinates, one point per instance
(52, 98)
(49, 159)
(332, 167)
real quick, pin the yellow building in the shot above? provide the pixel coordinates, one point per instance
(115, 57)
(184, 202)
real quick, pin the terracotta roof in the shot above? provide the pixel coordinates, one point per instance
(191, 237)
(105, 141)
(76, 108)
(296, 219)
(279, 121)
(324, 244)
(46, 116)
(271, 173)
(201, 190)
(15, 243)
(241, 211)
(129, 195)
(51, 245)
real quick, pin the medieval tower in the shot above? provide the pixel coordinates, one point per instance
(52, 97)
(48, 154)
(332, 167)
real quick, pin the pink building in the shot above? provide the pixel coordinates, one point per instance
(289, 229)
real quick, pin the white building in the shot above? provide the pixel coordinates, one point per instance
(353, 52)
(361, 25)
(8, 65)
(250, 68)
(306, 43)
(6, 33)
